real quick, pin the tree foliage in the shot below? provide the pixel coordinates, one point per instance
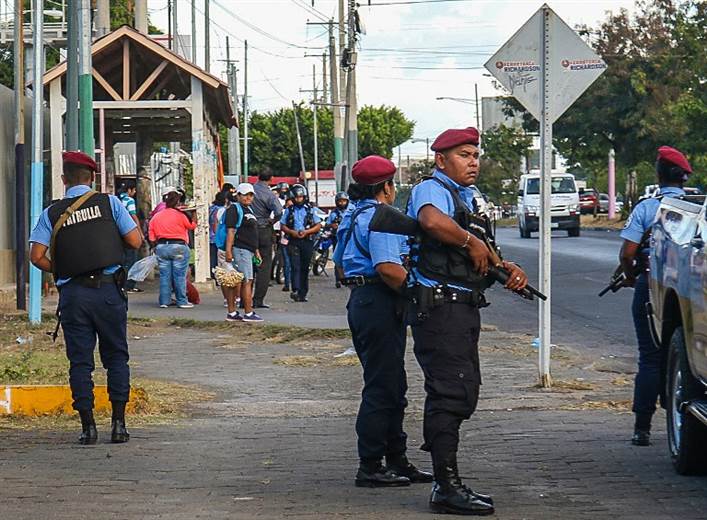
(652, 93)
(504, 150)
(273, 137)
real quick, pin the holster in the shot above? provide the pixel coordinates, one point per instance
(421, 300)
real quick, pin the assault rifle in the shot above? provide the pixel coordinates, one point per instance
(388, 219)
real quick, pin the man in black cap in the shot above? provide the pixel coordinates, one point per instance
(447, 283)
(268, 210)
(84, 234)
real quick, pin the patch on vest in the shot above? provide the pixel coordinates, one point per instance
(83, 215)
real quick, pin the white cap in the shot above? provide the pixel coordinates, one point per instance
(244, 188)
(168, 189)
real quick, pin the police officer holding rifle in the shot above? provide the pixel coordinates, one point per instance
(449, 275)
(672, 169)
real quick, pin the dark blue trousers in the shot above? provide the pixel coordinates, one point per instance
(88, 314)
(300, 250)
(379, 339)
(648, 378)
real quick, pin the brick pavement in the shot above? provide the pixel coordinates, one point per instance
(278, 442)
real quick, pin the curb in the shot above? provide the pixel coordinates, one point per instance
(34, 400)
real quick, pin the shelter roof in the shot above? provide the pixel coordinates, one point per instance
(130, 66)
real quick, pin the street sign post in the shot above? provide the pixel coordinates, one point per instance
(546, 66)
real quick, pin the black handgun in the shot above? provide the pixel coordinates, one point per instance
(388, 219)
(617, 280)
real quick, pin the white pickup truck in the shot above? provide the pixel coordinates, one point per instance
(564, 210)
(678, 315)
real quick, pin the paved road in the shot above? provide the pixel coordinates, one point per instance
(581, 268)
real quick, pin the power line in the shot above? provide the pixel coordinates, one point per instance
(311, 10)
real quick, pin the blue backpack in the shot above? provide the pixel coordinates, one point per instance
(221, 231)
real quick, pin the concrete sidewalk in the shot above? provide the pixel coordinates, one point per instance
(278, 440)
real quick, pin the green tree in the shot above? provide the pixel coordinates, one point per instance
(651, 94)
(504, 149)
(274, 138)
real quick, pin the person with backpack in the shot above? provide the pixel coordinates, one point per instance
(300, 223)
(237, 240)
(216, 210)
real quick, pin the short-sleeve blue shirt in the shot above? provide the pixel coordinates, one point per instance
(643, 215)
(381, 247)
(42, 232)
(430, 192)
(300, 213)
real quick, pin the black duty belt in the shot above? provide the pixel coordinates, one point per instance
(171, 241)
(360, 280)
(427, 298)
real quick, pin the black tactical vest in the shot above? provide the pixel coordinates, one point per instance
(448, 264)
(308, 218)
(89, 240)
(247, 232)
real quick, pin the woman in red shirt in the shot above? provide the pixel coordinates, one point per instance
(169, 229)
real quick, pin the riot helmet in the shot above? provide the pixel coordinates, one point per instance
(342, 200)
(297, 191)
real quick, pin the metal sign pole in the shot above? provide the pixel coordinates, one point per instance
(545, 252)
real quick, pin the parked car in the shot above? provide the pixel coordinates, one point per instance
(564, 204)
(604, 203)
(588, 200)
(677, 315)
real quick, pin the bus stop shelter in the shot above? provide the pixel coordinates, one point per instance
(146, 94)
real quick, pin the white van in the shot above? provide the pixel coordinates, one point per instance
(564, 209)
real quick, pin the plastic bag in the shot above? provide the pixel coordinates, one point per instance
(142, 268)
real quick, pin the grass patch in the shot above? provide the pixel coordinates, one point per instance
(271, 333)
(617, 406)
(601, 221)
(317, 361)
(558, 385)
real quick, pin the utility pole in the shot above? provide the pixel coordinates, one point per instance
(234, 142)
(175, 27)
(245, 114)
(37, 174)
(141, 16)
(72, 77)
(476, 98)
(207, 38)
(351, 104)
(338, 126)
(299, 137)
(86, 142)
(325, 86)
(20, 180)
(314, 130)
(102, 17)
(193, 32)
(342, 46)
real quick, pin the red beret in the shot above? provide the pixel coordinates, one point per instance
(675, 157)
(372, 170)
(79, 159)
(455, 137)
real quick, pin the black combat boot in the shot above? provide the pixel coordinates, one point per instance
(402, 466)
(89, 433)
(449, 495)
(119, 432)
(371, 473)
(642, 430)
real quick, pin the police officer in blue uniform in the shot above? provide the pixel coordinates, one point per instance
(85, 234)
(672, 169)
(372, 265)
(301, 224)
(446, 283)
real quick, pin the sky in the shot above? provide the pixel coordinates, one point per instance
(410, 54)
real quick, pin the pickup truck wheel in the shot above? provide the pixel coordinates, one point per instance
(687, 436)
(523, 232)
(573, 232)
